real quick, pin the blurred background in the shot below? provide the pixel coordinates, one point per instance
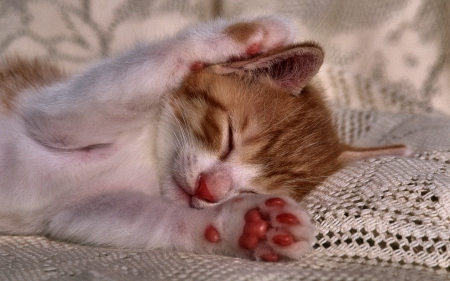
(380, 54)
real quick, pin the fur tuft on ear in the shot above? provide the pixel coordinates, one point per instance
(290, 67)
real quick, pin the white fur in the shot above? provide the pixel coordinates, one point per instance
(87, 159)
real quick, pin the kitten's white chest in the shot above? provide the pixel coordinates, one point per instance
(44, 175)
(131, 165)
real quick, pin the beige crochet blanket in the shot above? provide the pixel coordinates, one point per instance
(380, 219)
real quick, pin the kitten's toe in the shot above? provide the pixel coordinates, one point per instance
(255, 229)
(290, 233)
(211, 234)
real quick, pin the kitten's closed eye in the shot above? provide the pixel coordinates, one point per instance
(229, 145)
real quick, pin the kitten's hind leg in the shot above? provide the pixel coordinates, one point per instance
(252, 226)
(129, 219)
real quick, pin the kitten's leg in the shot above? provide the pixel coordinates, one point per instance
(129, 219)
(252, 226)
(92, 107)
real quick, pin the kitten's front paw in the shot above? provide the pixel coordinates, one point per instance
(262, 34)
(221, 41)
(263, 228)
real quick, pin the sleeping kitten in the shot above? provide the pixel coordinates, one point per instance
(195, 143)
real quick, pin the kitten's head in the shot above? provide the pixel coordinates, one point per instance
(250, 126)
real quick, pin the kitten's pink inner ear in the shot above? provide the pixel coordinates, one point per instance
(290, 67)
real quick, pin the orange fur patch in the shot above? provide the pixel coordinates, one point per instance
(291, 138)
(17, 74)
(240, 32)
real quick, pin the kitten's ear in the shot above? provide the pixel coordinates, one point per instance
(290, 67)
(350, 153)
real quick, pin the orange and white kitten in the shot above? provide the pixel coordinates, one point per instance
(195, 143)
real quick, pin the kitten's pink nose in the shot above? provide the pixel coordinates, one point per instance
(203, 191)
(213, 185)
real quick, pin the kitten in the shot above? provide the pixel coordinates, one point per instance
(196, 143)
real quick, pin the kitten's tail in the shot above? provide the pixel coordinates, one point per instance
(352, 153)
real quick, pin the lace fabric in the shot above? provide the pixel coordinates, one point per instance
(389, 209)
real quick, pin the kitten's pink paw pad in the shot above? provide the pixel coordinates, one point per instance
(276, 228)
(252, 215)
(275, 202)
(264, 227)
(253, 49)
(287, 219)
(197, 66)
(283, 240)
(270, 257)
(257, 225)
(212, 234)
(255, 229)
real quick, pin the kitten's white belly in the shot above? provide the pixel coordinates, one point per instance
(32, 176)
